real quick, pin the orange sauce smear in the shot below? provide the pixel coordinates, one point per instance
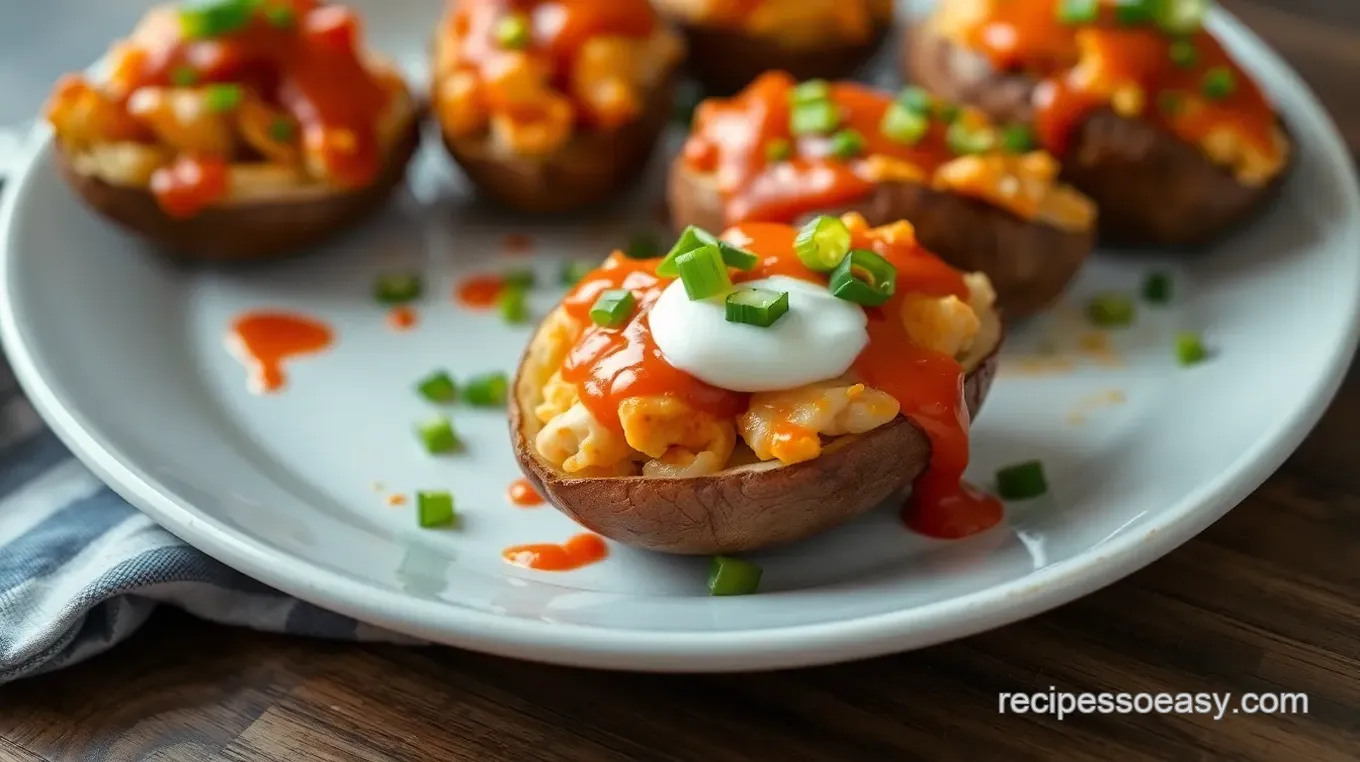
(581, 550)
(1027, 36)
(265, 341)
(522, 494)
(479, 291)
(396, 501)
(402, 318)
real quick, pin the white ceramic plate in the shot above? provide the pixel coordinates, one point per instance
(125, 358)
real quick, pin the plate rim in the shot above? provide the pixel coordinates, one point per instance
(742, 650)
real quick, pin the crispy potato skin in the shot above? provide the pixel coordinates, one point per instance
(1030, 264)
(1152, 188)
(241, 233)
(591, 168)
(726, 60)
(747, 507)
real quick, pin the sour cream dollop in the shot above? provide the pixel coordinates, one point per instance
(818, 338)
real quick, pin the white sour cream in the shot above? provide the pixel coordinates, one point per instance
(818, 338)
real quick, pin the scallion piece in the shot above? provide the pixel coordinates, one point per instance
(740, 259)
(1022, 481)
(822, 243)
(574, 271)
(487, 390)
(206, 19)
(847, 144)
(397, 288)
(438, 436)
(778, 150)
(703, 272)
(643, 246)
(282, 129)
(512, 32)
(1219, 83)
(613, 308)
(948, 112)
(1181, 16)
(521, 278)
(810, 91)
(512, 303)
(1111, 310)
(184, 75)
(1017, 138)
(434, 508)
(438, 387)
(863, 277)
(1134, 12)
(815, 118)
(916, 100)
(1078, 11)
(1190, 349)
(221, 98)
(756, 306)
(966, 141)
(903, 125)
(690, 239)
(732, 576)
(280, 16)
(1183, 53)
(1157, 288)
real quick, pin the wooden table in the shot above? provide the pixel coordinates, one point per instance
(1266, 600)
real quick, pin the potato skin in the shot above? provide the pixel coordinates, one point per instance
(591, 168)
(242, 233)
(748, 507)
(1152, 188)
(1030, 264)
(726, 60)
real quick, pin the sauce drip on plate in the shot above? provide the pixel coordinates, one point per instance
(402, 318)
(265, 341)
(479, 291)
(581, 550)
(522, 494)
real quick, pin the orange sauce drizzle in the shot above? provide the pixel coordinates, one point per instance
(581, 550)
(402, 318)
(266, 340)
(479, 291)
(521, 493)
(396, 501)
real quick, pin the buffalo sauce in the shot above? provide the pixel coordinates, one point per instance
(479, 291)
(265, 340)
(402, 317)
(581, 550)
(522, 494)
(1028, 36)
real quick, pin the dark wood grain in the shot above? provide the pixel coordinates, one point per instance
(1268, 599)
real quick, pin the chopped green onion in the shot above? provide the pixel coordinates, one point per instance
(283, 130)
(916, 100)
(205, 19)
(949, 112)
(1017, 138)
(184, 75)
(1157, 288)
(1170, 102)
(614, 308)
(822, 243)
(777, 150)
(512, 303)
(643, 246)
(521, 278)
(1189, 349)
(1181, 16)
(1078, 11)
(756, 306)
(863, 277)
(1219, 83)
(1111, 310)
(1022, 481)
(222, 98)
(1134, 12)
(847, 144)
(903, 125)
(438, 387)
(810, 91)
(703, 272)
(732, 576)
(1183, 53)
(438, 436)
(487, 390)
(280, 16)
(815, 118)
(512, 32)
(740, 259)
(575, 270)
(397, 288)
(964, 140)
(434, 508)
(690, 239)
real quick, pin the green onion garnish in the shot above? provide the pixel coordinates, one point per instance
(756, 306)
(1189, 349)
(184, 75)
(512, 303)
(1078, 11)
(1133, 12)
(222, 98)
(948, 112)
(521, 278)
(916, 100)
(822, 243)
(809, 92)
(703, 272)
(777, 150)
(397, 288)
(512, 32)
(434, 508)
(815, 118)
(964, 140)
(438, 387)
(643, 246)
(1170, 102)
(1022, 481)
(438, 436)
(1219, 83)
(1111, 310)
(280, 16)
(740, 259)
(1183, 53)
(1017, 138)
(732, 576)
(1181, 16)
(847, 144)
(903, 125)
(574, 271)
(1157, 288)
(690, 239)
(282, 129)
(487, 390)
(614, 308)
(863, 277)
(205, 19)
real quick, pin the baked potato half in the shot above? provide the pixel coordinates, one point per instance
(979, 195)
(651, 419)
(731, 43)
(217, 137)
(1146, 110)
(553, 121)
